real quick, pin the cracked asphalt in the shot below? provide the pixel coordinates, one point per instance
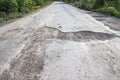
(61, 42)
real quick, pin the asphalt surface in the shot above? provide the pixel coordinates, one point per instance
(61, 42)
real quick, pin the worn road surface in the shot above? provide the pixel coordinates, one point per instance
(61, 42)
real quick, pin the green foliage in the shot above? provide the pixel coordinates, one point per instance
(98, 4)
(77, 4)
(2, 19)
(87, 4)
(10, 9)
(2, 16)
(8, 6)
(110, 11)
(39, 2)
(14, 15)
(111, 7)
(5, 16)
(25, 5)
(42, 2)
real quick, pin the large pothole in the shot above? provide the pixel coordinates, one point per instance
(79, 36)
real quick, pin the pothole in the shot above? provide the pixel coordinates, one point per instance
(80, 36)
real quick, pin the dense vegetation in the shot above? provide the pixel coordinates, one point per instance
(110, 7)
(10, 9)
(16, 8)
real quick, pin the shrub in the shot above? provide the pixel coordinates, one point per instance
(110, 10)
(77, 4)
(99, 4)
(2, 14)
(89, 4)
(38, 2)
(85, 4)
(2, 19)
(25, 5)
(14, 15)
(8, 6)
(10, 9)
(41, 2)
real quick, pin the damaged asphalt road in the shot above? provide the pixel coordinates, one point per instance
(61, 42)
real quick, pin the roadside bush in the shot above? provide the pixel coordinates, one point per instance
(117, 14)
(110, 7)
(14, 15)
(89, 4)
(8, 6)
(117, 5)
(39, 2)
(10, 9)
(85, 4)
(2, 20)
(6, 16)
(98, 4)
(77, 4)
(110, 11)
(2, 14)
(25, 5)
